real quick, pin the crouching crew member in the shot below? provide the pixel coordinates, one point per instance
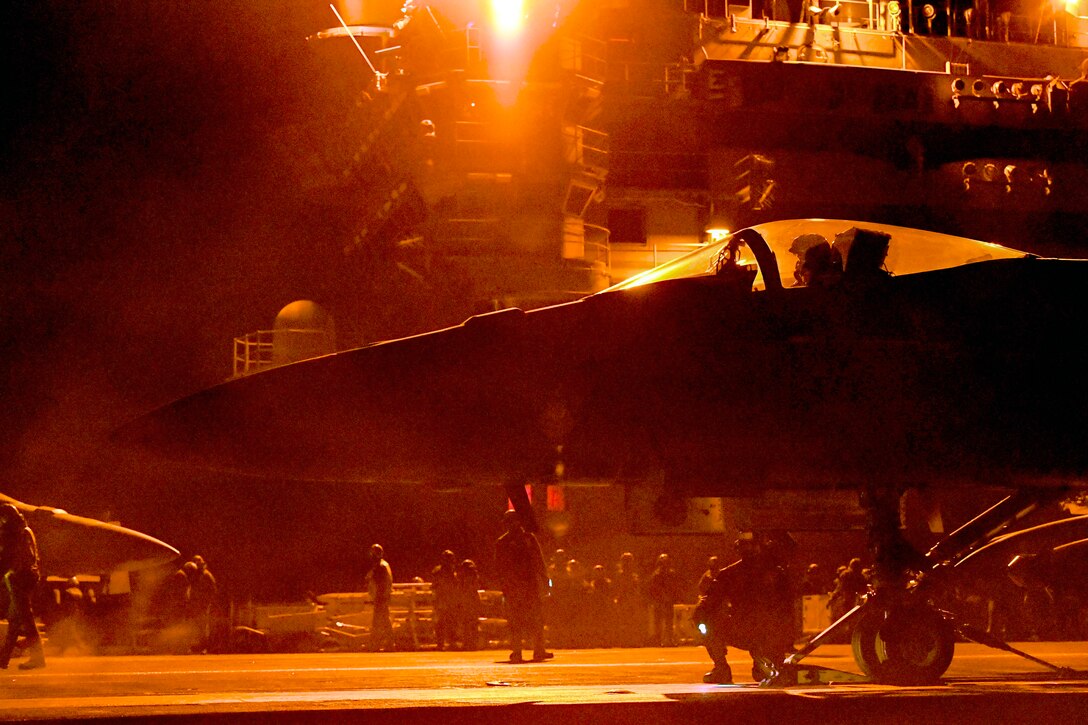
(749, 606)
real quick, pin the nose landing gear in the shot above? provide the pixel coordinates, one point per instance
(899, 636)
(905, 645)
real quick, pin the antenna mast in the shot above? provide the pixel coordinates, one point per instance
(379, 77)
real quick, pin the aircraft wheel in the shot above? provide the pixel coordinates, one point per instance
(908, 646)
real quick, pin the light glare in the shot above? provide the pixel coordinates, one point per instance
(508, 16)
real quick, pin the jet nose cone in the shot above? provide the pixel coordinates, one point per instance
(268, 423)
(133, 551)
(76, 545)
(452, 405)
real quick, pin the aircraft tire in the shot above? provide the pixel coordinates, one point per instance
(903, 646)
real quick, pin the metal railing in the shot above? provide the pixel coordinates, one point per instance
(597, 245)
(256, 351)
(252, 352)
(586, 57)
(650, 80)
(475, 230)
(587, 147)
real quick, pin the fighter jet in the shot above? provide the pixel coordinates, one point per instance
(71, 545)
(889, 358)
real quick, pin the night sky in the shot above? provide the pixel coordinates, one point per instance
(170, 182)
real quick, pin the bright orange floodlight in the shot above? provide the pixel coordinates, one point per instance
(508, 17)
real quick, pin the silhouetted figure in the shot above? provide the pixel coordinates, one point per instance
(557, 565)
(181, 591)
(749, 606)
(862, 253)
(175, 594)
(1078, 92)
(379, 578)
(814, 583)
(576, 620)
(815, 266)
(22, 569)
(1002, 614)
(444, 586)
(712, 568)
(663, 591)
(566, 596)
(520, 567)
(177, 631)
(467, 607)
(553, 604)
(629, 607)
(203, 595)
(850, 586)
(600, 616)
(68, 626)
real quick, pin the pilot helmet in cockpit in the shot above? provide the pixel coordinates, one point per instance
(863, 252)
(816, 265)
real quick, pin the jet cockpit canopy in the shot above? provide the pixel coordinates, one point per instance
(909, 251)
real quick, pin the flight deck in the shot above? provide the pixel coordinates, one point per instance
(604, 685)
